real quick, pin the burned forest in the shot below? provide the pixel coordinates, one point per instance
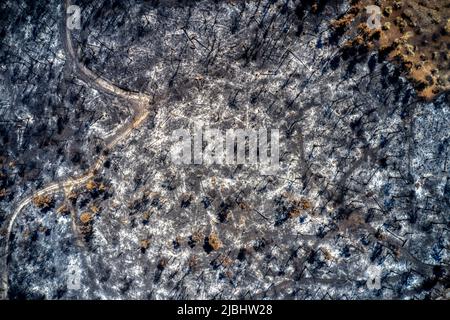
(97, 99)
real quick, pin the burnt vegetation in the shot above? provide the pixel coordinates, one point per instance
(364, 150)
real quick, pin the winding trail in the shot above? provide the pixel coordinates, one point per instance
(140, 103)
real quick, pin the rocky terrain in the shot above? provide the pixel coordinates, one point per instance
(93, 207)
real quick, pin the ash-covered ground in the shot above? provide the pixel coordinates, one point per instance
(93, 207)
